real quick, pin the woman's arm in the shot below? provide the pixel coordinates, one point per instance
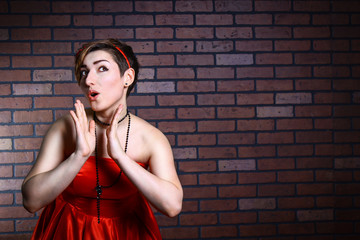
(51, 174)
(160, 186)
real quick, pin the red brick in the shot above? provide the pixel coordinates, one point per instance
(212, 19)
(236, 138)
(153, 6)
(16, 103)
(312, 6)
(236, 112)
(195, 86)
(51, 20)
(347, 188)
(314, 137)
(331, 45)
(258, 124)
(16, 157)
(295, 150)
(120, 33)
(177, 126)
(110, 6)
(218, 205)
(315, 188)
(332, 124)
(63, 61)
(72, 34)
(217, 152)
(180, 233)
(273, 32)
(296, 202)
(335, 150)
(254, 45)
(6, 171)
(16, 130)
(276, 216)
(275, 164)
(255, 98)
(320, 98)
(276, 189)
(192, 60)
(153, 114)
(214, 46)
(194, 33)
(296, 176)
(218, 232)
(51, 48)
(292, 45)
(234, 32)
(139, 20)
(274, 6)
(152, 60)
(311, 32)
(91, 20)
(5, 116)
(32, 61)
(11, 184)
(239, 165)
(292, 19)
(69, 88)
(155, 87)
(215, 126)
(196, 113)
(292, 124)
(312, 58)
(235, 5)
(275, 138)
(274, 85)
(69, 7)
(175, 73)
(293, 72)
(218, 73)
(198, 166)
(296, 228)
(31, 34)
(273, 111)
(33, 116)
(14, 20)
(14, 48)
(237, 191)
(234, 59)
(254, 72)
(200, 192)
(256, 151)
(257, 230)
(188, 179)
(333, 71)
(257, 203)
(256, 177)
(215, 99)
(32, 89)
(196, 139)
(6, 226)
(30, 7)
(175, 46)
(313, 111)
(54, 102)
(4, 61)
(217, 178)
(237, 217)
(274, 58)
(194, 219)
(254, 19)
(314, 162)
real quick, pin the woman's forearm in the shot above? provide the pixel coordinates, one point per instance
(41, 189)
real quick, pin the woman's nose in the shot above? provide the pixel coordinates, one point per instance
(90, 78)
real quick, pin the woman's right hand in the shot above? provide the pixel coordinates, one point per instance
(85, 131)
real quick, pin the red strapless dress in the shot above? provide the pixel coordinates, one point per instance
(124, 212)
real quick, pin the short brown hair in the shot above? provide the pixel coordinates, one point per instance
(111, 46)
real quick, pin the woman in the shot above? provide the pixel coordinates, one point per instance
(98, 168)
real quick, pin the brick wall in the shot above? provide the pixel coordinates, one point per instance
(259, 99)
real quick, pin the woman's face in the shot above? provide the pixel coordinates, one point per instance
(101, 82)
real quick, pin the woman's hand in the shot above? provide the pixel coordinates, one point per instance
(115, 150)
(85, 131)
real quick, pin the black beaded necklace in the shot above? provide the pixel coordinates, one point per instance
(99, 187)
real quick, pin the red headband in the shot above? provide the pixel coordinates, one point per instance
(123, 55)
(114, 47)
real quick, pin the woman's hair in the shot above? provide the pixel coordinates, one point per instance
(122, 54)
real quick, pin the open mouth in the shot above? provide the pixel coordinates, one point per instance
(93, 94)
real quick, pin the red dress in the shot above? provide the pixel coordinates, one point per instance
(124, 212)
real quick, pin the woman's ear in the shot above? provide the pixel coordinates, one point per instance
(129, 77)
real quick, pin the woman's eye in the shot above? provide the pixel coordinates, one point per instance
(83, 73)
(102, 69)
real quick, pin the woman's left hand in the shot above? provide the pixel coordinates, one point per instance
(115, 150)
